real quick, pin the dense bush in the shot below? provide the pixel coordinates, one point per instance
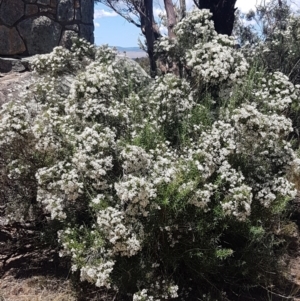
(162, 188)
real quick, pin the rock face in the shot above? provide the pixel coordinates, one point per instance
(129, 64)
(44, 2)
(11, 11)
(87, 32)
(87, 10)
(31, 9)
(65, 10)
(10, 41)
(30, 27)
(41, 34)
(9, 64)
(12, 84)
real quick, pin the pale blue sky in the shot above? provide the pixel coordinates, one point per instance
(113, 30)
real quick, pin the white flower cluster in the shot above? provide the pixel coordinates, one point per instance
(89, 161)
(62, 60)
(165, 166)
(217, 61)
(15, 123)
(210, 57)
(254, 136)
(45, 131)
(238, 202)
(98, 274)
(143, 296)
(269, 191)
(136, 160)
(57, 61)
(196, 27)
(123, 239)
(173, 236)
(160, 112)
(264, 134)
(202, 197)
(93, 96)
(97, 266)
(287, 34)
(58, 184)
(276, 92)
(16, 168)
(135, 193)
(172, 100)
(160, 290)
(92, 157)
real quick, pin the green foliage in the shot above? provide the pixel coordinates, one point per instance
(273, 41)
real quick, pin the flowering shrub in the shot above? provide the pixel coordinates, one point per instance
(209, 58)
(277, 50)
(159, 187)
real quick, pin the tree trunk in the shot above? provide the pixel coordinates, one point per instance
(143, 10)
(148, 29)
(171, 21)
(171, 17)
(223, 13)
(182, 9)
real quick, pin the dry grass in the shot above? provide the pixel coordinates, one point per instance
(37, 288)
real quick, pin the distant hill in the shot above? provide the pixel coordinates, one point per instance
(132, 52)
(129, 49)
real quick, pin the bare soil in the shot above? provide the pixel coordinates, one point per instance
(31, 271)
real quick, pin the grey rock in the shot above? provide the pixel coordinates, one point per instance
(11, 42)
(65, 10)
(47, 10)
(30, 1)
(77, 14)
(12, 84)
(53, 3)
(87, 32)
(66, 39)
(41, 34)
(9, 64)
(87, 11)
(11, 11)
(31, 9)
(130, 64)
(73, 27)
(44, 2)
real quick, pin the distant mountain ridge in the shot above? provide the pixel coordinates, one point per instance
(128, 49)
(132, 52)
